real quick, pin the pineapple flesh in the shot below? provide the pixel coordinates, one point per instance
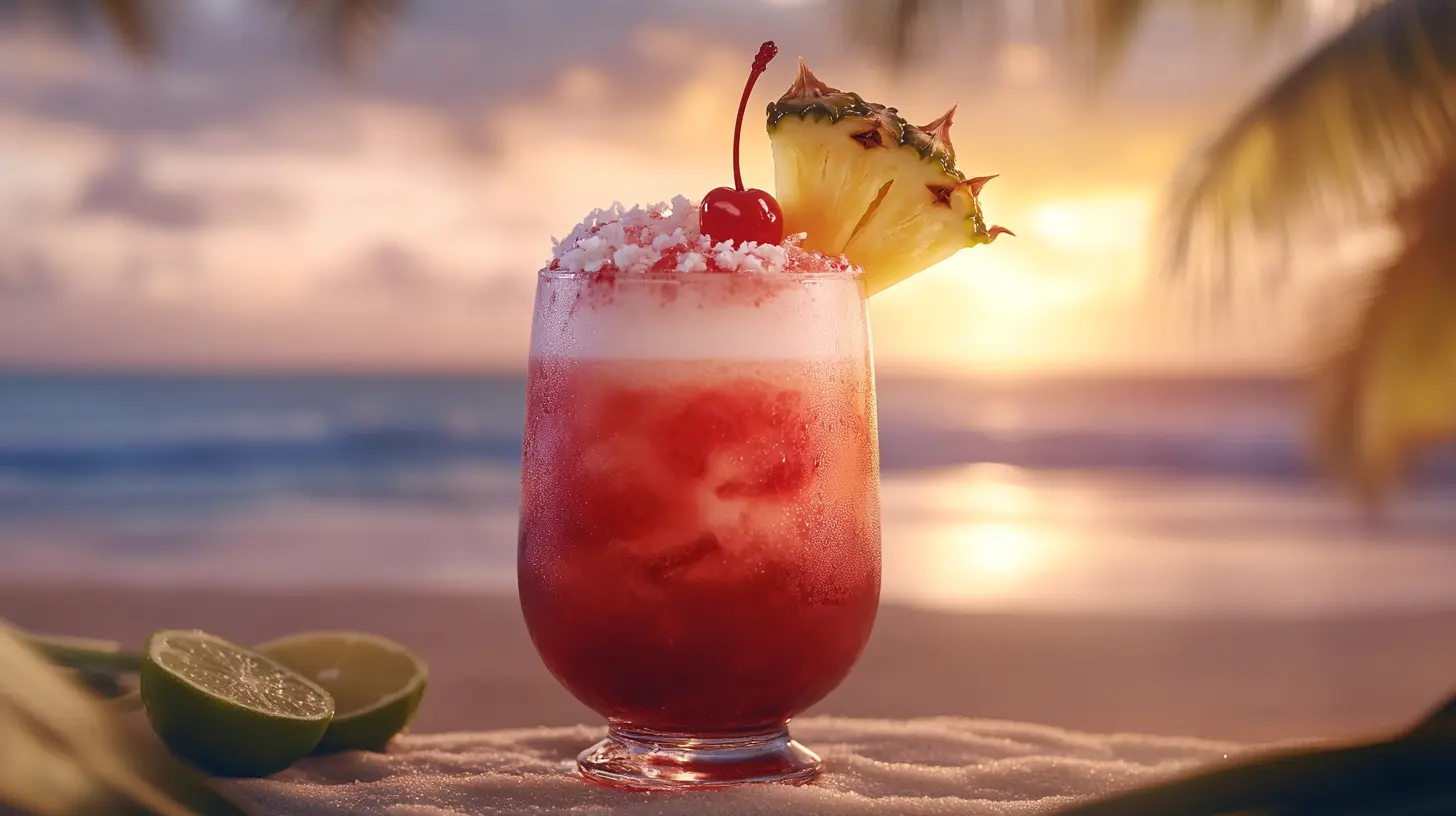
(861, 182)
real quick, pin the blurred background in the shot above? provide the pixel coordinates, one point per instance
(266, 273)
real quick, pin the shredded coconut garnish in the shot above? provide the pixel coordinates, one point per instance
(663, 239)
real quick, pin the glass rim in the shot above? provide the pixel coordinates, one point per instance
(852, 273)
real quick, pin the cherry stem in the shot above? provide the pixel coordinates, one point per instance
(766, 52)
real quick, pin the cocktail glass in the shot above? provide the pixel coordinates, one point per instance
(700, 525)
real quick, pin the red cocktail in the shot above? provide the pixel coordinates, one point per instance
(700, 537)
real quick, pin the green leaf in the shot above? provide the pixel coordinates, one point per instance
(86, 654)
(62, 752)
(1410, 774)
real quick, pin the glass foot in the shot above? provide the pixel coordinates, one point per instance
(643, 760)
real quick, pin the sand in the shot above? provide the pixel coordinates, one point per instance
(907, 768)
(1238, 680)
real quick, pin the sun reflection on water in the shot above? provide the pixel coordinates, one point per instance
(1003, 550)
(999, 538)
(981, 561)
(984, 541)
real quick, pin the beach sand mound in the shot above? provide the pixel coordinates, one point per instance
(909, 767)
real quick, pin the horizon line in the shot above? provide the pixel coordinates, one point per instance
(898, 370)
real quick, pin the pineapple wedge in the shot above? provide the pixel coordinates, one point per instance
(863, 183)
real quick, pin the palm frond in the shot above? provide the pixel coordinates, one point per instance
(1263, 19)
(1389, 390)
(1101, 33)
(1260, 16)
(1098, 33)
(885, 26)
(137, 26)
(349, 30)
(62, 752)
(134, 24)
(1360, 123)
(1105, 29)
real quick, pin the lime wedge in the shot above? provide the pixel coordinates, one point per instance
(376, 683)
(228, 709)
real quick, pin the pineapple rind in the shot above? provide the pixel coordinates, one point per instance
(840, 105)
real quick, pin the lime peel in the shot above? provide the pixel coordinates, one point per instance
(228, 709)
(376, 683)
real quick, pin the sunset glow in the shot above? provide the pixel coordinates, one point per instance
(395, 219)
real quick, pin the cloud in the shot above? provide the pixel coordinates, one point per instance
(395, 273)
(391, 270)
(120, 189)
(243, 72)
(27, 277)
(240, 202)
(123, 188)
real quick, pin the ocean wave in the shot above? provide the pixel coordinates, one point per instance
(383, 446)
(905, 447)
(1069, 449)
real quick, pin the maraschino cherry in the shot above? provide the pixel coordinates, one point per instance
(733, 213)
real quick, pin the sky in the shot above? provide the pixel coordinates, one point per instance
(242, 204)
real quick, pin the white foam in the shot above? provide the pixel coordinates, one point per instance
(701, 316)
(644, 283)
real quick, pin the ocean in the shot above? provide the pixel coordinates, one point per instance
(1084, 496)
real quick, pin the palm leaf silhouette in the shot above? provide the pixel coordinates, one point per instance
(1105, 29)
(1098, 33)
(895, 30)
(1363, 122)
(135, 25)
(1364, 129)
(1389, 388)
(348, 30)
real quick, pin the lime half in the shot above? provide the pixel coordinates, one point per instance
(228, 709)
(376, 683)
